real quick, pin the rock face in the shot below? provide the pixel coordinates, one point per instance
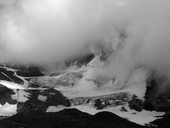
(32, 100)
(136, 103)
(27, 71)
(157, 95)
(6, 95)
(40, 100)
(9, 76)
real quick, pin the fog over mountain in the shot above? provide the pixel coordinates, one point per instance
(53, 30)
(133, 32)
(127, 43)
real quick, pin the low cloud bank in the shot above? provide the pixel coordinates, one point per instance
(135, 32)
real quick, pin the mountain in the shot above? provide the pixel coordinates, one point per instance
(72, 97)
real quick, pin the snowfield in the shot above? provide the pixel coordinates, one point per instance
(11, 85)
(83, 82)
(142, 118)
(8, 109)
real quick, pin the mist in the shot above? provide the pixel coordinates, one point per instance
(135, 33)
(45, 31)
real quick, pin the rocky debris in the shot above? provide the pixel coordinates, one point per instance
(112, 100)
(101, 102)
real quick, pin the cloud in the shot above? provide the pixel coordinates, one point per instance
(45, 31)
(41, 30)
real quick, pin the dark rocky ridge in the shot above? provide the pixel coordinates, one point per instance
(71, 118)
(5, 95)
(9, 76)
(156, 98)
(25, 71)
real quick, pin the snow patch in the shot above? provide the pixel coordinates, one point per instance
(23, 96)
(42, 98)
(8, 109)
(144, 117)
(11, 85)
(54, 108)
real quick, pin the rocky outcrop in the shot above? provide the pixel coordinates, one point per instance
(25, 70)
(136, 104)
(9, 75)
(104, 101)
(71, 118)
(40, 100)
(157, 94)
(6, 95)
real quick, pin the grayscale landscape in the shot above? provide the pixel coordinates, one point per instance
(84, 63)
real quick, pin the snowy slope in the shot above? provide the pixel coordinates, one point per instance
(86, 83)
